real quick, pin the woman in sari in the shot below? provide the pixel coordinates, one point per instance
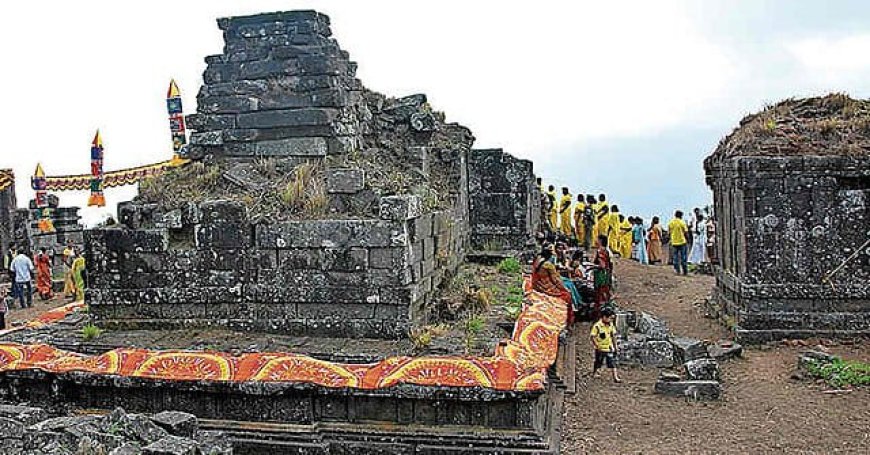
(546, 280)
(43, 275)
(625, 239)
(78, 271)
(603, 275)
(654, 248)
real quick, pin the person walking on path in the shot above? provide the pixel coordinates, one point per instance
(679, 232)
(78, 271)
(23, 268)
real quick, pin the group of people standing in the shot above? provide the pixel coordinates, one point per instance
(584, 220)
(22, 270)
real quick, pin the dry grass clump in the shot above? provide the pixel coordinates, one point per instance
(835, 124)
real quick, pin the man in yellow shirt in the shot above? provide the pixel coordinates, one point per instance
(603, 336)
(554, 210)
(678, 232)
(565, 213)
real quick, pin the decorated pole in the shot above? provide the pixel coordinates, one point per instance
(176, 120)
(97, 198)
(43, 211)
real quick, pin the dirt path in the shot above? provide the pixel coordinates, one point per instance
(17, 314)
(763, 410)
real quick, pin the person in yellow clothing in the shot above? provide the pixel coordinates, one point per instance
(613, 237)
(579, 229)
(603, 336)
(78, 271)
(678, 232)
(602, 220)
(554, 210)
(625, 237)
(565, 213)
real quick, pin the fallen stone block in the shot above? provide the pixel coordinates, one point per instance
(653, 328)
(696, 390)
(725, 350)
(648, 353)
(705, 369)
(686, 349)
(177, 423)
(400, 208)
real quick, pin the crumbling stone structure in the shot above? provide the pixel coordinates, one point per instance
(67, 228)
(7, 208)
(791, 190)
(503, 199)
(395, 176)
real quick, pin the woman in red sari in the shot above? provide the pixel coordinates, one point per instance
(43, 274)
(603, 274)
(546, 280)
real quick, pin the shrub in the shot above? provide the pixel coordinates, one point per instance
(510, 266)
(90, 332)
(478, 300)
(841, 373)
(475, 325)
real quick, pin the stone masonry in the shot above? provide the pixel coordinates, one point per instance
(7, 208)
(283, 89)
(503, 200)
(786, 222)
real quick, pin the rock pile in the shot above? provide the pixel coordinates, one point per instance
(27, 430)
(646, 341)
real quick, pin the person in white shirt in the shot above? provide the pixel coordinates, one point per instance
(23, 268)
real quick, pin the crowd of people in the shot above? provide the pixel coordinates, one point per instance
(22, 271)
(572, 228)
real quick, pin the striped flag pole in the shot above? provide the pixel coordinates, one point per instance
(176, 120)
(97, 198)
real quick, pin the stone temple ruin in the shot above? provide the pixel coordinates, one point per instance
(317, 209)
(791, 190)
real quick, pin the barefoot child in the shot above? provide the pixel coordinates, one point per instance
(604, 341)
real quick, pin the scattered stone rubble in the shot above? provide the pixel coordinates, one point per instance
(645, 341)
(29, 430)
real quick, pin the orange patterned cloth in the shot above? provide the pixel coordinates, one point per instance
(519, 364)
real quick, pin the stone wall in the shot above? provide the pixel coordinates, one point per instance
(785, 223)
(209, 266)
(504, 202)
(8, 206)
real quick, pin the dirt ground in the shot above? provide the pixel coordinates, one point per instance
(763, 409)
(17, 314)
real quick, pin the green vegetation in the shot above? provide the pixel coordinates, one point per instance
(422, 337)
(90, 332)
(510, 266)
(841, 373)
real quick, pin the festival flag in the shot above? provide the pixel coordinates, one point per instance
(96, 186)
(43, 211)
(176, 119)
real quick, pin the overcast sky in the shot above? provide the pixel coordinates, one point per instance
(620, 97)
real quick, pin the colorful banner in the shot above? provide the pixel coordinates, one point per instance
(7, 178)
(97, 199)
(519, 364)
(176, 119)
(43, 211)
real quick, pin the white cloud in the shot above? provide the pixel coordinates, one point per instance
(830, 55)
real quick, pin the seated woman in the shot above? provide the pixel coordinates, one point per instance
(546, 280)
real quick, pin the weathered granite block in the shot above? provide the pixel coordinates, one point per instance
(345, 180)
(702, 369)
(400, 208)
